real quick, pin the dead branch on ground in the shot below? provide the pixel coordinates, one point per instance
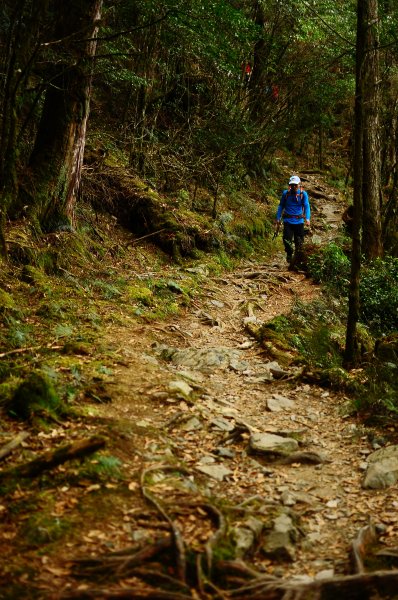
(54, 458)
(14, 443)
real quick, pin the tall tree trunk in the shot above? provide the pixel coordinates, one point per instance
(367, 191)
(371, 176)
(353, 299)
(19, 44)
(57, 156)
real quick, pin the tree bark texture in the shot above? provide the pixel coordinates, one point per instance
(353, 296)
(370, 92)
(366, 168)
(57, 157)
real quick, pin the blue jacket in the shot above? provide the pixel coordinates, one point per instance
(294, 205)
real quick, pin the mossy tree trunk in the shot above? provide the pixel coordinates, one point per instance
(57, 157)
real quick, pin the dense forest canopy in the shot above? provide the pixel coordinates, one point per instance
(170, 97)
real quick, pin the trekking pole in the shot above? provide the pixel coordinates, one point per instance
(276, 232)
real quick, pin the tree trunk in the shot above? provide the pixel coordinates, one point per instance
(353, 298)
(19, 44)
(371, 176)
(57, 156)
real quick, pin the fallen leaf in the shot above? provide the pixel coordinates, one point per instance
(58, 572)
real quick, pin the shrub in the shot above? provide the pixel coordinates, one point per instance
(379, 295)
(330, 266)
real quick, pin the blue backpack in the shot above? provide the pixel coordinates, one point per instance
(286, 194)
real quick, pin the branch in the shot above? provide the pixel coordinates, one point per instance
(52, 459)
(28, 349)
(8, 448)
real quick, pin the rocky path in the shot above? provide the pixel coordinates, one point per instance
(209, 420)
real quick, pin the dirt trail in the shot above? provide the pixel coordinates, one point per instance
(166, 422)
(328, 497)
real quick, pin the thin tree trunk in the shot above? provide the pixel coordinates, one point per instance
(353, 298)
(371, 176)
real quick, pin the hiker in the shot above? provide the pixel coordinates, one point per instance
(293, 208)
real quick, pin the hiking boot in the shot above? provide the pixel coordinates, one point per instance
(289, 258)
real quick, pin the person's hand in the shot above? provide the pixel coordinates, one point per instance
(308, 223)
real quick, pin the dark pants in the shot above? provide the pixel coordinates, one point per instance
(293, 238)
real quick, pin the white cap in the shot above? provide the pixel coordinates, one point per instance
(294, 180)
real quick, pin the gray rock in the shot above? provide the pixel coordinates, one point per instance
(192, 425)
(180, 388)
(208, 319)
(207, 460)
(202, 358)
(238, 365)
(245, 535)
(217, 303)
(279, 543)
(381, 474)
(261, 378)
(268, 443)
(325, 574)
(387, 452)
(383, 468)
(255, 525)
(278, 403)
(244, 539)
(276, 370)
(225, 452)
(288, 499)
(222, 424)
(218, 472)
(199, 270)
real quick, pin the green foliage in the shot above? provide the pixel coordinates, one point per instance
(108, 290)
(379, 295)
(377, 396)
(313, 330)
(319, 346)
(17, 332)
(41, 529)
(330, 266)
(63, 331)
(6, 302)
(378, 285)
(101, 468)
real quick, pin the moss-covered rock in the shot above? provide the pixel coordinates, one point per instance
(75, 347)
(35, 396)
(136, 293)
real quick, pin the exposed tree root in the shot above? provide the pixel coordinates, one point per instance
(189, 574)
(122, 565)
(177, 537)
